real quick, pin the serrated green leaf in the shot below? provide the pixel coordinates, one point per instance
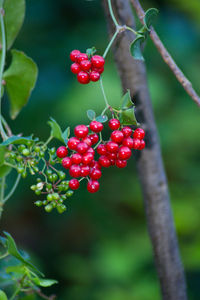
(91, 114)
(66, 134)
(56, 131)
(4, 170)
(127, 117)
(17, 140)
(126, 100)
(149, 17)
(44, 282)
(102, 119)
(135, 48)
(3, 295)
(14, 17)
(12, 250)
(20, 80)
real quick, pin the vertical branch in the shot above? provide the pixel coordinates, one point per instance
(149, 161)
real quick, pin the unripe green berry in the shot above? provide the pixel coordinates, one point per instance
(33, 187)
(52, 162)
(20, 170)
(52, 151)
(24, 174)
(48, 207)
(56, 196)
(61, 208)
(61, 175)
(37, 149)
(25, 152)
(36, 169)
(49, 172)
(21, 147)
(50, 177)
(13, 155)
(38, 203)
(45, 202)
(41, 154)
(19, 158)
(49, 197)
(64, 197)
(55, 177)
(69, 193)
(38, 192)
(60, 201)
(38, 179)
(49, 186)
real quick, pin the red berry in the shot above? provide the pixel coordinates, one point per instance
(127, 131)
(124, 153)
(76, 158)
(75, 68)
(81, 57)
(99, 70)
(101, 149)
(75, 171)
(139, 133)
(72, 143)
(74, 54)
(96, 126)
(111, 156)
(142, 145)
(93, 186)
(87, 140)
(94, 76)
(83, 77)
(81, 131)
(85, 65)
(114, 124)
(62, 152)
(87, 158)
(136, 143)
(91, 150)
(74, 184)
(117, 136)
(112, 147)
(95, 174)
(121, 163)
(128, 142)
(85, 170)
(95, 165)
(66, 162)
(94, 138)
(104, 161)
(97, 61)
(82, 148)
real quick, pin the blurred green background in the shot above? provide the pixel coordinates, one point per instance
(100, 249)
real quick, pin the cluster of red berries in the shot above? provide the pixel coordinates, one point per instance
(86, 69)
(81, 162)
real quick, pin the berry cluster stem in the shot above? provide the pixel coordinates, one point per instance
(112, 14)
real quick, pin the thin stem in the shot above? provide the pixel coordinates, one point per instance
(13, 188)
(112, 14)
(110, 43)
(6, 126)
(103, 92)
(15, 293)
(48, 141)
(131, 29)
(2, 64)
(9, 165)
(4, 255)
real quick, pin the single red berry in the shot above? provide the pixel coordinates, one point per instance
(85, 170)
(94, 76)
(117, 136)
(114, 124)
(81, 131)
(95, 165)
(87, 140)
(127, 131)
(112, 147)
(93, 186)
(99, 70)
(142, 145)
(74, 54)
(94, 138)
(136, 143)
(66, 162)
(87, 158)
(91, 150)
(62, 152)
(83, 77)
(95, 174)
(97, 61)
(128, 142)
(74, 184)
(124, 153)
(139, 133)
(81, 57)
(101, 149)
(76, 158)
(85, 65)
(72, 143)
(82, 148)
(111, 156)
(104, 161)
(75, 68)
(121, 163)
(75, 171)
(96, 126)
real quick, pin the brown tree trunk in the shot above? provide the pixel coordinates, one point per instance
(149, 161)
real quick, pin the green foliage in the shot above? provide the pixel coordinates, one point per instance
(149, 17)
(20, 80)
(91, 114)
(14, 139)
(102, 119)
(56, 131)
(3, 295)
(135, 47)
(127, 114)
(66, 134)
(4, 170)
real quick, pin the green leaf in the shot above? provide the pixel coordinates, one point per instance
(102, 119)
(91, 114)
(12, 250)
(17, 140)
(135, 48)
(19, 269)
(20, 80)
(14, 17)
(149, 17)
(2, 155)
(56, 131)
(44, 282)
(127, 117)
(126, 100)
(66, 134)
(3, 295)
(4, 170)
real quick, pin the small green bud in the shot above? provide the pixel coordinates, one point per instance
(52, 151)
(55, 177)
(61, 208)
(38, 203)
(37, 149)
(45, 202)
(37, 192)
(41, 154)
(50, 177)
(20, 170)
(24, 174)
(61, 175)
(25, 152)
(48, 207)
(69, 193)
(49, 197)
(19, 158)
(36, 169)
(55, 196)
(60, 188)
(33, 187)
